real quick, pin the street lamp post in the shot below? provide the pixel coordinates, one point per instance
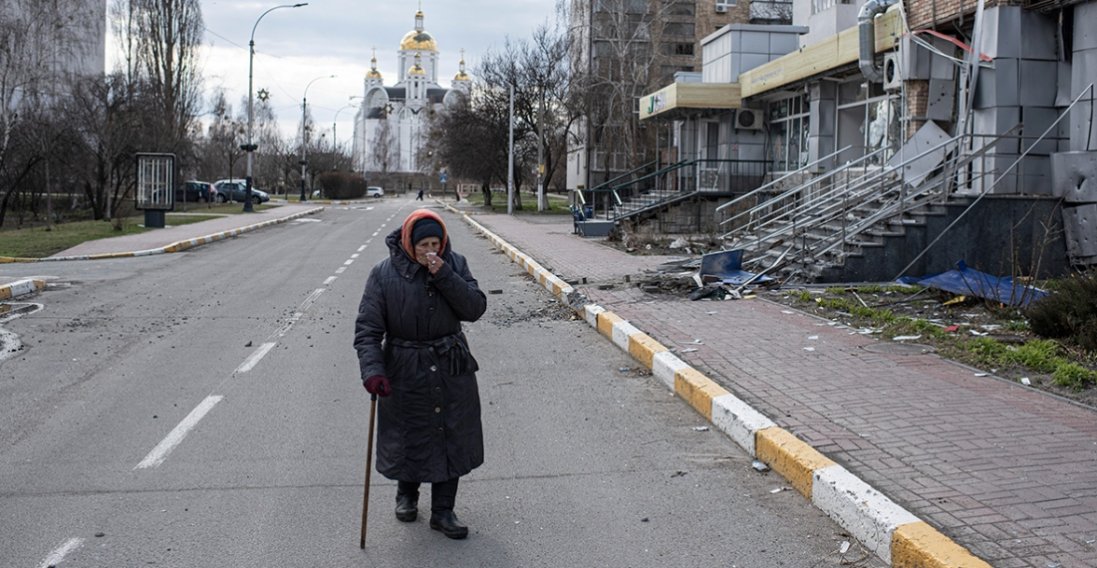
(250, 146)
(304, 132)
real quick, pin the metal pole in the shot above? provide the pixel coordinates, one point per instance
(510, 156)
(250, 147)
(304, 133)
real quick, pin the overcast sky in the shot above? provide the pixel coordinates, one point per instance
(293, 46)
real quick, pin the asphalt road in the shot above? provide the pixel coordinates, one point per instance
(204, 409)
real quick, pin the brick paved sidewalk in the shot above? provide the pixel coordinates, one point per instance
(1006, 471)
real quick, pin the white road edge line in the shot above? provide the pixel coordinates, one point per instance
(348, 262)
(60, 552)
(161, 451)
(355, 255)
(254, 359)
(340, 270)
(329, 280)
(361, 248)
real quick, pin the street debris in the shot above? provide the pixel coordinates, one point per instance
(779, 489)
(700, 428)
(906, 337)
(844, 548)
(809, 349)
(1025, 381)
(759, 465)
(967, 281)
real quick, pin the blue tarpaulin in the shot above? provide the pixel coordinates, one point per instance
(727, 267)
(970, 282)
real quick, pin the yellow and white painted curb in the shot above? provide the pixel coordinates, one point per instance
(894, 534)
(177, 246)
(21, 288)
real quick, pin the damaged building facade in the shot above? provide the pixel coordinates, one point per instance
(897, 138)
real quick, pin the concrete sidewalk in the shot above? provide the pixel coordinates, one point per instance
(1007, 472)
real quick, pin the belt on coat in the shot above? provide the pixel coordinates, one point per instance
(453, 347)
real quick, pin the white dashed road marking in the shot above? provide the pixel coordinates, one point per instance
(60, 552)
(254, 359)
(161, 451)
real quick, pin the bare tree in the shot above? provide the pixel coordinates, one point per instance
(617, 61)
(45, 45)
(383, 147)
(160, 39)
(105, 128)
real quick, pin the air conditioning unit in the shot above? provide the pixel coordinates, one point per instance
(893, 79)
(748, 119)
(721, 8)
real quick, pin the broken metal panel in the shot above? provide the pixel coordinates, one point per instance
(726, 267)
(1080, 225)
(941, 67)
(942, 100)
(967, 281)
(1074, 177)
(928, 136)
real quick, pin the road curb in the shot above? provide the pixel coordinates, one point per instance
(21, 288)
(895, 535)
(177, 246)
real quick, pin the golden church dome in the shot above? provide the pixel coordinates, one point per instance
(462, 76)
(416, 40)
(374, 74)
(417, 70)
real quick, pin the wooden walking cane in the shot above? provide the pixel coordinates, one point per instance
(369, 466)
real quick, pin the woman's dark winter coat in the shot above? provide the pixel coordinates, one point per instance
(409, 330)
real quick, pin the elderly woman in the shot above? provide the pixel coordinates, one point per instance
(413, 355)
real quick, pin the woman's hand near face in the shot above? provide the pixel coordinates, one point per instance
(426, 254)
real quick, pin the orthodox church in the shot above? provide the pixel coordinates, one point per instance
(392, 122)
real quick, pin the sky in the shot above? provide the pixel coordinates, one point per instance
(294, 46)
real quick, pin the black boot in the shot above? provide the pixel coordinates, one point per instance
(443, 495)
(407, 501)
(446, 521)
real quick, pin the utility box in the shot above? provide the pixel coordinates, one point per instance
(155, 187)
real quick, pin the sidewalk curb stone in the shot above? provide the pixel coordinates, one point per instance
(21, 288)
(894, 534)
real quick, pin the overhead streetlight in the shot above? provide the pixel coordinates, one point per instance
(250, 147)
(304, 132)
(334, 121)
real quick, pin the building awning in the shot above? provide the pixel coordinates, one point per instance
(816, 59)
(676, 100)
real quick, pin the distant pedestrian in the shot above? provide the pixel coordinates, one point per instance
(413, 354)
(419, 197)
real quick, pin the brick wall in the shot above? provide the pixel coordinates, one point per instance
(917, 103)
(922, 14)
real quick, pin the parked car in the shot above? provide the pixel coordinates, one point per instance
(194, 191)
(235, 190)
(374, 191)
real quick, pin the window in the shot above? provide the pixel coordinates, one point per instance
(683, 49)
(789, 122)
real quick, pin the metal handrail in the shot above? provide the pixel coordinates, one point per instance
(793, 191)
(605, 185)
(782, 178)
